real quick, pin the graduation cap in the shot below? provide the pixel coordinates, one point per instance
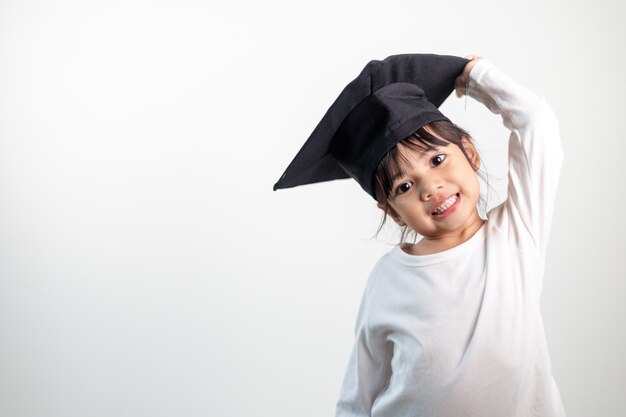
(387, 102)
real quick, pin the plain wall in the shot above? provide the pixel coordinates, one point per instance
(148, 269)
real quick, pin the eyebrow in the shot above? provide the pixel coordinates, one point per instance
(400, 175)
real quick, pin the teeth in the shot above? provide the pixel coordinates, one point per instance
(446, 205)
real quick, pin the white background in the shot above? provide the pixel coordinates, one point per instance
(148, 269)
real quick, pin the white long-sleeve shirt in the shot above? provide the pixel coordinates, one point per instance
(459, 332)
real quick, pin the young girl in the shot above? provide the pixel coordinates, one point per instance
(450, 325)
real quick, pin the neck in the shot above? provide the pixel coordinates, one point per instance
(428, 245)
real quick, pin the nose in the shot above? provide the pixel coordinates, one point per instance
(430, 187)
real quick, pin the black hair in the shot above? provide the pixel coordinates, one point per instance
(422, 141)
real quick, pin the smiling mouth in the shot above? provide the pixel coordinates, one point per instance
(449, 209)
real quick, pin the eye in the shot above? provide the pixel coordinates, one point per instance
(440, 157)
(402, 189)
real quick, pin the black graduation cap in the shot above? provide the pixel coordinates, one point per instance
(387, 102)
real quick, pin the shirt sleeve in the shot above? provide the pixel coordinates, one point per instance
(535, 156)
(368, 371)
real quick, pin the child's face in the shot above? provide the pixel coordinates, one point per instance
(434, 177)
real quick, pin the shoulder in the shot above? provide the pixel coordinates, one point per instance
(383, 269)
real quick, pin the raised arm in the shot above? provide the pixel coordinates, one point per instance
(535, 155)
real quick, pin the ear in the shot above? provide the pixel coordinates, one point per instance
(396, 218)
(471, 151)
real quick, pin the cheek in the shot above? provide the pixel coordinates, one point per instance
(468, 181)
(473, 186)
(410, 209)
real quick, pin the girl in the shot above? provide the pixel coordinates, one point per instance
(450, 325)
